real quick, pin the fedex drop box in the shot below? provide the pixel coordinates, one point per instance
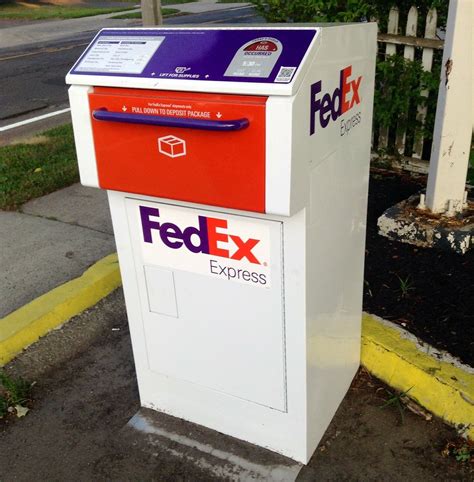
(236, 162)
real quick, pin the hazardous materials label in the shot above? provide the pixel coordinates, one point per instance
(114, 54)
(255, 58)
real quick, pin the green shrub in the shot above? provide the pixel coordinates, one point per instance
(398, 91)
(312, 10)
(345, 10)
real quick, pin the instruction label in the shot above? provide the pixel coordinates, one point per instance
(171, 110)
(120, 54)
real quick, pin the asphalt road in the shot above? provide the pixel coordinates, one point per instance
(32, 78)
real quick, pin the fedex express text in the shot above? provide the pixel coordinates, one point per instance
(209, 237)
(327, 107)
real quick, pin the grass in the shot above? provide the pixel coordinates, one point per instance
(405, 286)
(15, 393)
(164, 11)
(32, 169)
(31, 11)
(233, 1)
(397, 400)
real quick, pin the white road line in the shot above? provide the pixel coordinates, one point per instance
(34, 119)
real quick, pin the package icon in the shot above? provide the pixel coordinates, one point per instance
(172, 146)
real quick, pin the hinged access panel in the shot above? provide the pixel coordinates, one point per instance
(203, 310)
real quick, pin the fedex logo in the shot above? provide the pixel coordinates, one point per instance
(208, 237)
(343, 99)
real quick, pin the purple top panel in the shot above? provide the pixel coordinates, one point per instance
(240, 55)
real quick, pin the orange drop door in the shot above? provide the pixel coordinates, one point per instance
(195, 147)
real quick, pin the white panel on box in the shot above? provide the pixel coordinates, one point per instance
(229, 333)
(160, 291)
(81, 122)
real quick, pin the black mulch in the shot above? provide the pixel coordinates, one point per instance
(428, 292)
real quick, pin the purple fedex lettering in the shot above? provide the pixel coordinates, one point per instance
(171, 235)
(207, 236)
(331, 107)
(147, 223)
(200, 233)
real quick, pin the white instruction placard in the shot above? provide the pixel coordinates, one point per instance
(120, 54)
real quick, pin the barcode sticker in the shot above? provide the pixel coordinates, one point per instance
(285, 74)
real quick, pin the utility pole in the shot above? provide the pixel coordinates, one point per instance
(151, 13)
(445, 191)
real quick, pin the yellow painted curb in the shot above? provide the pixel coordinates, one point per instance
(436, 381)
(30, 322)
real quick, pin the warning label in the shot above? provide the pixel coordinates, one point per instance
(255, 58)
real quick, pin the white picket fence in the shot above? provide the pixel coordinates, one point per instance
(393, 40)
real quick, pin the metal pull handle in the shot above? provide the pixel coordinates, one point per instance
(154, 120)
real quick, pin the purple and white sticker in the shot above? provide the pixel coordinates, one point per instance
(224, 55)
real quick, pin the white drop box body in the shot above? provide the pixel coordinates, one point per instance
(239, 209)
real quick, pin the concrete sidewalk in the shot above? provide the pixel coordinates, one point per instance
(34, 32)
(52, 240)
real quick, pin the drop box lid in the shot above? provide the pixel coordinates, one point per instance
(259, 60)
